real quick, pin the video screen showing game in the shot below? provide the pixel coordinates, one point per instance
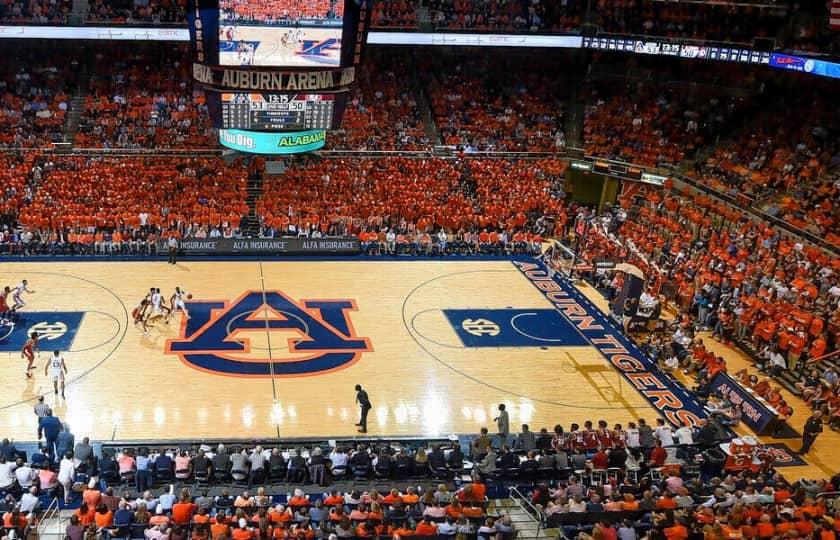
(280, 33)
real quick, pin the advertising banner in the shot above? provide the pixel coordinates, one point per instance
(266, 246)
(273, 143)
(754, 412)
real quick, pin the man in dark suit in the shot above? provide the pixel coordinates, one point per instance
(813, 427)
(364, 403)
(437, 459)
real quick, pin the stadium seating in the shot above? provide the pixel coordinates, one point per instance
(735, 22)
(382, 112)
(35, 11)
(278, 10)
(484, 104)
(395, 14)
(785, 160)
(785, 301)
(122, 205)
(649, 125)
(154, 12)
(413, 197)
(33, 101)
(132, 105)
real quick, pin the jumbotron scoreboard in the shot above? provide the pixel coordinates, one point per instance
(271, 112)
(277, 71)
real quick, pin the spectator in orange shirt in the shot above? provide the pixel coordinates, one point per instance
(425, 528)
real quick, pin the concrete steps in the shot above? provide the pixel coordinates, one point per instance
(526, 525)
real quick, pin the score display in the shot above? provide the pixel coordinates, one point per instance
(277, 111)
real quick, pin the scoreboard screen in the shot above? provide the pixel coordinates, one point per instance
(277, 111)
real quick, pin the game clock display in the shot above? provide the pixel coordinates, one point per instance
(277, 111)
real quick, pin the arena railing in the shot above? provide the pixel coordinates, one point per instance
(50, 524)
(134, 152)
(285, 443)
(529, 509)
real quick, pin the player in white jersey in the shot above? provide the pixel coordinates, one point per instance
(57, 369)
(245, 52)
(291, 39)
(17, 295)
(177, 302)
(159, 309)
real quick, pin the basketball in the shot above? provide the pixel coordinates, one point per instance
(189, 297)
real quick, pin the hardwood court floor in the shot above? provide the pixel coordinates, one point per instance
(421, 378)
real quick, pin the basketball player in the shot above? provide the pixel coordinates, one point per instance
(17, 296)
(159, 308)
(4, 305)
(57, 370)
(140, 313)
(246, 53)
(177, 302)
(29, 350)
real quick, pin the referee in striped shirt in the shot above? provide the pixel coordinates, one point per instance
(41, 408)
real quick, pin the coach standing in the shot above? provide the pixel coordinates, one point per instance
(503, 423)
(172, 244)
(364, 403)
(813, 427)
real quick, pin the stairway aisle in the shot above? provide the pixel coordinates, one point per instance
(526, 525)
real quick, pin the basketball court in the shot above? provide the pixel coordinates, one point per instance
(275, 348)
(284, 46)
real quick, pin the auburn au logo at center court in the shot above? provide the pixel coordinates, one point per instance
(319, 336)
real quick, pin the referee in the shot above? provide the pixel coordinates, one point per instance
(41, 410)
(172, 244)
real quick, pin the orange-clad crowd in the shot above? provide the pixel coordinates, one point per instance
(506, 15)
(382, 111)
(35, 11)
(786, 159)
(155, 12)
(496, 104)
(649, 124)
(78, 204)
(33, 101)
(279, 10)
(411, 196)
(135, 104)
(777, 297)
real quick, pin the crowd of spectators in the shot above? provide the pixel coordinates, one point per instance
(138, 11)
(788, 159)
(506, 15)
(35, 11)
(494, 103)
(382, 112)
(408, 202)
(138, 103)
(720, 21)
(777, 299)
(649, 124)
(278, 11)
(592, 478)
(79, 205)
(33, 100)
(393, 14)
(797, 26)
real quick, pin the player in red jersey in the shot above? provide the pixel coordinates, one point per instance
(4, 304)
(139, 314)
(30, 349)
